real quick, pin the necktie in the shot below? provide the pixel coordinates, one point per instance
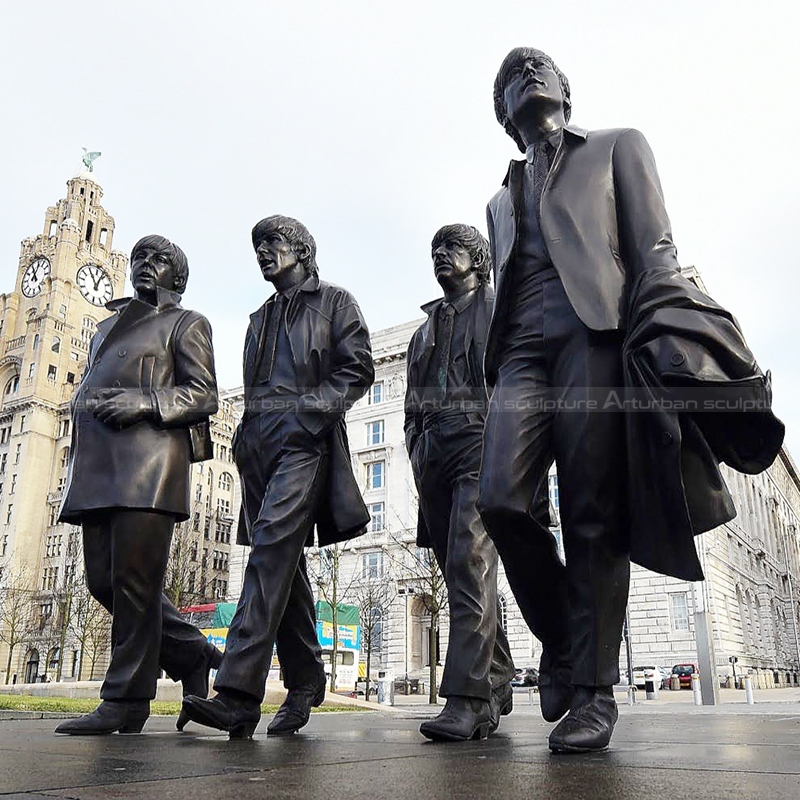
(267, 360)
(540, 167)
(444, 342)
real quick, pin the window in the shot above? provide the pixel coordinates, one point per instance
(501, 600)
(375, 473)
(75, 660)
(64, 429)
(17, 453)
(12, 386)
(4, 544)
(223, 506)
(51, 372)
(553, 487)
(375, 395)
(70, 377)
(8, 513)
(375, 432)
(13, 483)
(64, 460)
(89, 226)
(377, 513)
(679, 606)
(5, 434)
(3, 460)
(22, 422)
(31, 370)
(226, 481)
(35, 341)
(371, 565)
(56, 346)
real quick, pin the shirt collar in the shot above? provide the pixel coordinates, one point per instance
(463, 301)
(553, 139)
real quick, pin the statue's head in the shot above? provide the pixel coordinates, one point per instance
(278, 239)
(524, 62)
(458, 250)
(157, 262)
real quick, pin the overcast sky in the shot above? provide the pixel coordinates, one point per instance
(372, 122)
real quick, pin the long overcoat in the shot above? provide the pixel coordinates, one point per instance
(333, 366)
(166, 352)
(695, 398)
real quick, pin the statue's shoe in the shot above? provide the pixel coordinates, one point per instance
(500, 705)
(295, 711)
(226, 713)
(590, 722)
(461, 719)
(196, 682)
(110, 716)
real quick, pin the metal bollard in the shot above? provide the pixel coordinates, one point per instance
(696, 691)
(747, 681)
(651, 684)
(631, 695)
(675, 683)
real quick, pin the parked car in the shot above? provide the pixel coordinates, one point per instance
(640, 673)
(684, 673)
(526, 677)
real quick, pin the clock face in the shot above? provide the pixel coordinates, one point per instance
(95, 285)
(34, 275)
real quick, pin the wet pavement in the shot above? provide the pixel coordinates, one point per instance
(657, 752)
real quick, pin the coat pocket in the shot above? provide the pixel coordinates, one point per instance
(146, 370)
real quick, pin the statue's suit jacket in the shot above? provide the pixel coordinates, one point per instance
(603, 220)
(332, 360)
(165, 351)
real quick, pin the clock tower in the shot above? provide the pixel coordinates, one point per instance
(65, 276)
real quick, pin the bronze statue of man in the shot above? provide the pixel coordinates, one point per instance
(445, 410)
(140, 417)
(572, 226)
(307, 359)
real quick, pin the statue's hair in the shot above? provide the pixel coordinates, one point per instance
(517, 57)
(295, 232)
(176, 256)
(471, 239)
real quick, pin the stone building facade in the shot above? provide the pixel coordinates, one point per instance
(65, 276)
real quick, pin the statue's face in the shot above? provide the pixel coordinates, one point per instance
(275, 255)
(530, 84)
(452, 262)
(151, 268)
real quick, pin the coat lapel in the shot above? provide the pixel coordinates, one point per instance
(129, 314)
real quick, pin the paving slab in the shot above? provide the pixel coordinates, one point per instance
(657, 753)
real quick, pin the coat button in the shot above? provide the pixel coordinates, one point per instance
(666, 437)
(122, 353)
(677, 359)
(116, 384)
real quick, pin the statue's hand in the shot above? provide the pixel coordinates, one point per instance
(120, 408)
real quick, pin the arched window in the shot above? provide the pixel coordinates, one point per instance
(32, 666)
(12, 386)
(64, 460)
(88, 327)
(226, 481)
(56, 346)
(35, 341)
(501, 601)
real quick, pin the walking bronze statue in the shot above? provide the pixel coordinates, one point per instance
(307, 359)
(585, 268)
(445, 411)
(140, 417)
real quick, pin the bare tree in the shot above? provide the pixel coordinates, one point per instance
(184, 582)
(324, 571)
(418, 567)
(374, 597)
(87, 620)
(17, 617)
